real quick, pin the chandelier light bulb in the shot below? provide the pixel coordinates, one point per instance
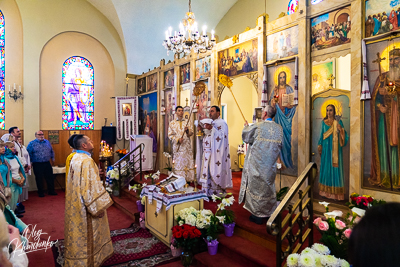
(204, 30)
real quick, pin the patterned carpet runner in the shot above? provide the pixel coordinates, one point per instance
(133, 246)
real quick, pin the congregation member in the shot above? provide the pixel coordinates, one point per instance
(24, 195)
(86, 232)
(213, 158)
(375, 239)
(179, 134)
(11, 253)
(13, 134)
(257, 189)
(41, 152)
(5, 194)
(17, 174)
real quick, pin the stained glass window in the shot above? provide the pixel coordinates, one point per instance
(292, 6)
(2, 72)
(78, 94)
(314, 2)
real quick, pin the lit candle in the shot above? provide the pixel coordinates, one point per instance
(170, 31)
(14, 86)
(20, 88)
(212, 34)
(204, 29)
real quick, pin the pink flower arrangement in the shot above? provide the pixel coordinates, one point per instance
(340, 225)
(347, 233)
(323, 226)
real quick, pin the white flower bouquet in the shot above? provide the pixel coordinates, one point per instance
(153, 176)
(316, 256)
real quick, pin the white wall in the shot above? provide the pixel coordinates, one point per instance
(245, 13)
(54, 54)
(42, 20)
(247, 97)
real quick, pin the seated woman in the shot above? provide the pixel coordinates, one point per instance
(17, 174)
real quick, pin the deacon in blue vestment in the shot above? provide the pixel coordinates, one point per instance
(257, 189)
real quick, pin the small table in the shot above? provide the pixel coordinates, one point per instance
(59, 170)
(147, 156)
(161, 218)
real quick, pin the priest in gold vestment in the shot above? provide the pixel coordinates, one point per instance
(179, 132)
(87, 234)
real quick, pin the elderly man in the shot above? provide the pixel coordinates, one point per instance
(217, 172)
(179, 132)
(257, 189)
(41, 152)
(13, 134)
(86, 231)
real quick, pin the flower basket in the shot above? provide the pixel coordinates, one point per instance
(212, 247)
(229, 229)
(140, 206)
(176, 252)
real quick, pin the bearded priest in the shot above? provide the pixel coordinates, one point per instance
(213, 158)
(257, 189)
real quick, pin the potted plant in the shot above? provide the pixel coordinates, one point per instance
(227, 214)
(186, 237)
(113, 176)
(138, 189)
(317, 255)
(153, 176)
(169, 166)
(335, 233)
(121, 153)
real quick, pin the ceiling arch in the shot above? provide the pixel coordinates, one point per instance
(141, 25)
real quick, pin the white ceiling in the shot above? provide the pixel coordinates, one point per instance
(141, 25)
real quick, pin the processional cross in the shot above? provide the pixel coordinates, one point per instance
(379, 60)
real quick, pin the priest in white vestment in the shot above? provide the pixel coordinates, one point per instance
(213, 157)
(179, 132)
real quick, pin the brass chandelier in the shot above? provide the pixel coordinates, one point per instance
(188, 38)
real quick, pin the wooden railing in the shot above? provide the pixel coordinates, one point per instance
(295, 228)
(129, 165)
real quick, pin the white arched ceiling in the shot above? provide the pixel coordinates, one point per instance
(142, 24)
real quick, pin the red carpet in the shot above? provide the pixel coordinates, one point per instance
(47, 214)
(132, 246)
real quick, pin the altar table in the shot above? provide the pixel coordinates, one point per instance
(147, 156)
(160, 209)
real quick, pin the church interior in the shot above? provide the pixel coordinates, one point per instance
(119, 72)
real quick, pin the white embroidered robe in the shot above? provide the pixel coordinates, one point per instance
(184, 164)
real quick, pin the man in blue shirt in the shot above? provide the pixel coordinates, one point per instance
(41, 152)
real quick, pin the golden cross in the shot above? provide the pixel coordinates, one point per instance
(127, 79)
(187, 100)
(331, 78)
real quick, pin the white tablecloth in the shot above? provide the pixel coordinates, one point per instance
(58, 170)
(147, 157)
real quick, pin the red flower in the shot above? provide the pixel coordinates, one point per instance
(197, 232)
(370, 199)
(185, 234)
(178, 235)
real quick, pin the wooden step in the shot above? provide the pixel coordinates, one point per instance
(206, 260)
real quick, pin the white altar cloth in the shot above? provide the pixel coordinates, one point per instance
(147, 157)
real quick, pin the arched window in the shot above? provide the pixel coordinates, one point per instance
(78, 94)
(293, 6)
(2, 73)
